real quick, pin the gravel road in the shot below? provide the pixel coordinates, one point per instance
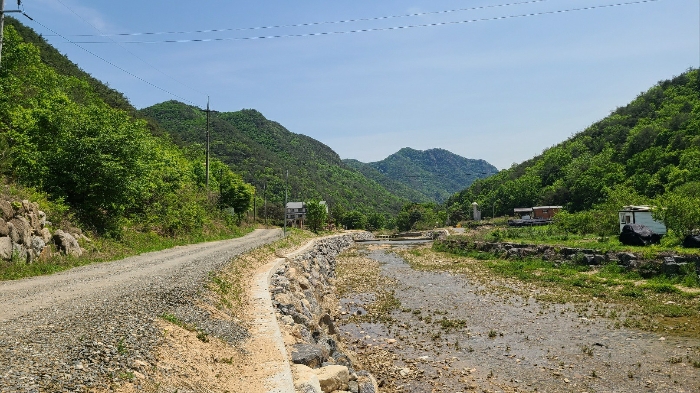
(91, 328)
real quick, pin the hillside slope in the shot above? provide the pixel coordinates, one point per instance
(429, 175)
(63, 66)
(263, 150)
(648, 148)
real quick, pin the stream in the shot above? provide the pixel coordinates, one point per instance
(454, 334)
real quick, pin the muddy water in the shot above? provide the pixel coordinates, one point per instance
(455, 335)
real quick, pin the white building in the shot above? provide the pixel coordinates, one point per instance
(640, 215)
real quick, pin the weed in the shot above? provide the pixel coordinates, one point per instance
(492, 333)
(121, 348)
(203, 336)
(675, 360)
(587, 350)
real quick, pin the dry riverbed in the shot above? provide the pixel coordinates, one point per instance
(421, 326)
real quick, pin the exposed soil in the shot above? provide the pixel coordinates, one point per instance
(457, 332)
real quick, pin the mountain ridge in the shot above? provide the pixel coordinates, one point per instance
(428, 175)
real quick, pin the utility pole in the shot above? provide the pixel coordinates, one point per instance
(255, 207)
(286, 180)
(265, 202)
(2, 20)
(207, 153)
(2, 25)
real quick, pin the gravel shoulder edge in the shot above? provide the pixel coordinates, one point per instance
(275, 365)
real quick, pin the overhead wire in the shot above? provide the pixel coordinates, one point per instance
(307, 24)
(113, 65)
(130, 52)
(376, 29)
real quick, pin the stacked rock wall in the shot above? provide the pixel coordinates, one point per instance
(664, 262)
(25, 236)
(303, 294)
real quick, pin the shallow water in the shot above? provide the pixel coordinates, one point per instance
(454, 334)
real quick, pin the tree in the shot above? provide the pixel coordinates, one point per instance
(355, 220)
(235, 193)
(315, 215)
(680, 209)
(375, 221)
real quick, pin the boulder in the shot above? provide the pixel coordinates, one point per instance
(638, 235)
(67, 244)
(4, 229)
(327, 321)
(45, 235)
(5, 248)
(333, 378)
(691, 241)
(22, 231)
(6, 210)
(308, 354)
(367, 383)
(305, 380)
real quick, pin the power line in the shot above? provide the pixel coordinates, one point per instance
(128, 51)
(314, 23)
(381, 28)
(114, 65)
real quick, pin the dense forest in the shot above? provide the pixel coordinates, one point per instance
(645, 152)
(263, 151)
(71, 138)
(431, 175)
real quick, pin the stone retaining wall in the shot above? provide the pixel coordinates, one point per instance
(303, 294)
(25, 236)
(661, 263)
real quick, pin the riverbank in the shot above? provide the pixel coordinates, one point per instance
(443, 323)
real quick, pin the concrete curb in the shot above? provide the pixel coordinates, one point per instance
(277, 365)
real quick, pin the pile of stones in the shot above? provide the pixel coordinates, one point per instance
(304, 294)
(25, 235)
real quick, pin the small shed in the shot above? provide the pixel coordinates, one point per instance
(640, 215)
(523, 212)
(545, 212)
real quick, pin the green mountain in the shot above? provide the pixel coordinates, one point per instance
(430, 175)
(263, 150)
(63, 66)
(643, 150)
(70, 139)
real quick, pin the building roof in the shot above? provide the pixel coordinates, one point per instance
(548, 207)
(633, 208)
(295, 205)
(522, 210)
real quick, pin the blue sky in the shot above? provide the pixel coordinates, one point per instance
(500, 90)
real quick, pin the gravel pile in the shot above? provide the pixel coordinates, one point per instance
(93, 327)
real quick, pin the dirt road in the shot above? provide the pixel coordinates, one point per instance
(90, 327)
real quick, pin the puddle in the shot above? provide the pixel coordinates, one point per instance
(451, 334)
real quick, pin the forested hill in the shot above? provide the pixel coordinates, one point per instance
(63, 66)
(263, 150)
(430, 175)
(643, 150)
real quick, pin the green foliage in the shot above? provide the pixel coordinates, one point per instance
(375, 222)
(262, 151)
(642, 151)
(680, 209)
(424, 176)
(355, 220)
(315, 215)
(59, 137)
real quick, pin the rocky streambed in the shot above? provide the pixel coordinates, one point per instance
(434, 331)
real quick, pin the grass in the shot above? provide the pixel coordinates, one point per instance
(660, 304)
(552, 235)
(228, 285)
(107, 249)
